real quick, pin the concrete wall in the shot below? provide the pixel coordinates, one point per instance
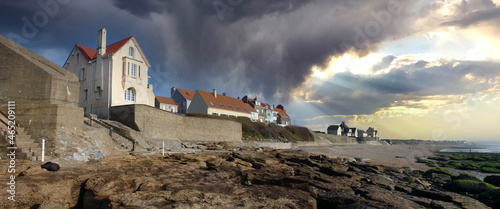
(45, 94)
(334, 139)
(158, 125)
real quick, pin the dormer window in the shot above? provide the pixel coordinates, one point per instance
(131, 52)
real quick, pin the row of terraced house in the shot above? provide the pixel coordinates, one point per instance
(344, 130)
(183, 101)
(117, 74)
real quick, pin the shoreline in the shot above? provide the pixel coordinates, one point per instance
(399, 156)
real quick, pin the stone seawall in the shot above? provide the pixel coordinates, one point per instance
(324, 139)
(157, 125)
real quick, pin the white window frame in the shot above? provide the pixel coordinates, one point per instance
(133, 70)
(82, 74)
(131, 52)
(129, 95)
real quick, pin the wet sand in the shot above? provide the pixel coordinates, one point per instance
(395, 155)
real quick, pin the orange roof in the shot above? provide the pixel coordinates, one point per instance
(165, 100)
(225, 102)
(281, 112)
(187, 94)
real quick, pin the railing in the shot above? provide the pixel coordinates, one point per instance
(112, 130)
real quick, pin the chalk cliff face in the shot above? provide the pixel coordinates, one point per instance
(233, 179)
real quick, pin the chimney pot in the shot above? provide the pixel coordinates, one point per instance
(214, 91)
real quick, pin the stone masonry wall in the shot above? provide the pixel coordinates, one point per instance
(157, 125)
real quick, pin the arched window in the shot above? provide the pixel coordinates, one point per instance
(131, 52)
(129, 94)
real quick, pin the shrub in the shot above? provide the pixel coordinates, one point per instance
(302, 132)
(440, 171)
(465, 176)
(470, 186)
(495, 180)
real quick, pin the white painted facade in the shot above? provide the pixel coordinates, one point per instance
(117, 78)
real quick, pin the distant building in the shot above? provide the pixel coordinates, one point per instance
(283, 118)
(111, 75)
(353, 132)
(260, 107)
(362, 133)
(220, 105)
(345, 129)
(165, 103)
(183, 99)
(334, 130)
(372, 133)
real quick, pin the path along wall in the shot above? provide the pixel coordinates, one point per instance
(158, 125)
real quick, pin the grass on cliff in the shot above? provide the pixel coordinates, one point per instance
(258, 130)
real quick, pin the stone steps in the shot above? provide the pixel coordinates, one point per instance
(27, 147)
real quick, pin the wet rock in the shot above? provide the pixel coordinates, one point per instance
(494, 180)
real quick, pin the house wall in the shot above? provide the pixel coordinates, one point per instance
(284, 120)
(198, 105)
(211, 111)
(337, 132)
(122, 78)
(168, 107)
(158, 125)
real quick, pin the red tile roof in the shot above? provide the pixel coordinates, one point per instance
(113, 48)
(281, 112)
(187, 94)
(166, 100)
(91, 54)
(226, 101)
(88, 53)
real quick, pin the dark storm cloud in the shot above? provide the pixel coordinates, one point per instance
(265, 46)
(386, 62)
(475, 17)
(347, 93)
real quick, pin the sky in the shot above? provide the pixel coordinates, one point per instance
(412, 69)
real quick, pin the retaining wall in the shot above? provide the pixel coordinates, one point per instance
(158, 125)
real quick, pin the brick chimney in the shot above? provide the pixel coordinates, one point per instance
(214, 91)
(101, 44)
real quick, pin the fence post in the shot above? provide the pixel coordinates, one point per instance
(43, 150)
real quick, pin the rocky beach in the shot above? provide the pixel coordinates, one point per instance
(224, 176)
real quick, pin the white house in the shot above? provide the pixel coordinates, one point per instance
(220, 105)
(111, 75)
(165, 103)
(334, 130)
(183, 98)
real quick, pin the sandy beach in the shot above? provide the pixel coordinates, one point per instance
(395, 155)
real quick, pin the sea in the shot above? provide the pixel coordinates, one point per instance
(476, 146)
